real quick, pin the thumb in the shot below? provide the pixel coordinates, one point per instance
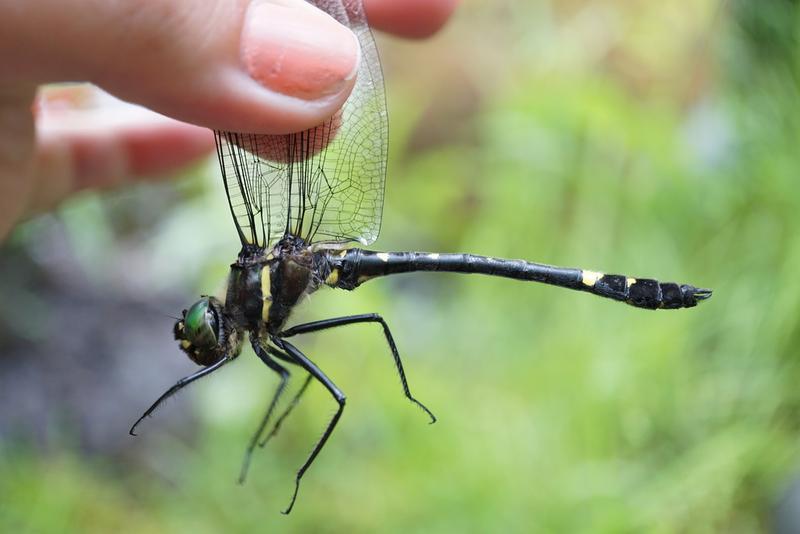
(261, 66)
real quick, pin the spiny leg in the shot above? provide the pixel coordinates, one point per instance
(337, 394)
(355, 319)
(264, 356)
(182, 383)
(277, 426)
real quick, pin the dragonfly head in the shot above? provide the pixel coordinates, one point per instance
(203, 333)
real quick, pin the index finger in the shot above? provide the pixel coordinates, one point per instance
(409, 18)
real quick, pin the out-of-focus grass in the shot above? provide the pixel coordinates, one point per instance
(610, 135)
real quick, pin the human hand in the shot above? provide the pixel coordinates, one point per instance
(261, 66)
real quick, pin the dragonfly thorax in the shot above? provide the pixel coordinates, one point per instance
(264, 287)
(290, 277)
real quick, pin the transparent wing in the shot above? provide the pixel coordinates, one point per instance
(325, 184)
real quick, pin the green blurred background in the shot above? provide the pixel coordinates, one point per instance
(649, 138)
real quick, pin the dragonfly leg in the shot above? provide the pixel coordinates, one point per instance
(355, 319)
(182, 383)
(337, 394)
(278, 422)
(264, 356)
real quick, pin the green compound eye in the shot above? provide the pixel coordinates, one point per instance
(200, 325)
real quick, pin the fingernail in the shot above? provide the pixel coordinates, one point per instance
(295, 49)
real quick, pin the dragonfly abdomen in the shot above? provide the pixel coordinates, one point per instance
(355, 266)
(643, 292)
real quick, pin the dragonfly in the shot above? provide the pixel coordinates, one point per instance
(299, 203)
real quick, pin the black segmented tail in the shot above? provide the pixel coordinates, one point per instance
(352, 267)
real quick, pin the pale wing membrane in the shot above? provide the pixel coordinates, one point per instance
(249, 190)
(325, 184)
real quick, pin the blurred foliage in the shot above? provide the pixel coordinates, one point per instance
(655, 139)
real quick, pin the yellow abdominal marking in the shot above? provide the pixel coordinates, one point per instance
(185, 344)
(630, 281)
(266, 293)
(590, 278)
(383, 256)
(333, 278)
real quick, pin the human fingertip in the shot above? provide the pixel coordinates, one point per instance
(296, 50)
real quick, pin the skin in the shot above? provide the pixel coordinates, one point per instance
(262, 66)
